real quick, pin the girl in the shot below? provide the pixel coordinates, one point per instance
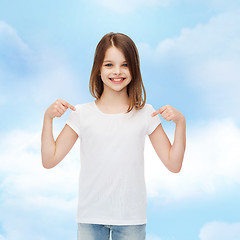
(112, 130)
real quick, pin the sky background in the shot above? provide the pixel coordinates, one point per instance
(189, 57)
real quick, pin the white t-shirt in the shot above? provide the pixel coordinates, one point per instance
(111, 181)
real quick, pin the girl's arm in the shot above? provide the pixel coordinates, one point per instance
(53, 152)
(177, 150)
(171, 155)
(47, 142)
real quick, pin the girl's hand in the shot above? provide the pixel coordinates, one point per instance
(169, 113)
(58, 108)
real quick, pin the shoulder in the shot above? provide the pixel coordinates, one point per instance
(147, 107)
(146, 110)
(150, 107)
(83, 107)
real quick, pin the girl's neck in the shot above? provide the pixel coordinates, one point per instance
(113, 100)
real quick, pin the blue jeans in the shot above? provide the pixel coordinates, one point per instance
(88, 231)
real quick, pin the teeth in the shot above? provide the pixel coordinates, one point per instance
(117, 79)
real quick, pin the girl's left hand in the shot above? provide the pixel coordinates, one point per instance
(169, 113)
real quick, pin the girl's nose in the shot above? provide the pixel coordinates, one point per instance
(116, 70)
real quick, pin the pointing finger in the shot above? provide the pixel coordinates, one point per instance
(72, 107)
(162, 109)
(66, 104)
(154, 113)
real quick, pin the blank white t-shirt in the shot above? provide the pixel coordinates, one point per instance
(111, 181)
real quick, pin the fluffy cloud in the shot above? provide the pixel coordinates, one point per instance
(9, 37)
(220, 231)
(32, 77)
(206, 58)
(215, 43)
(211, 164)
(35, 201)
(220, 5)
(15, 54)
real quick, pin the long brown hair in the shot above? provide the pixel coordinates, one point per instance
(129, 49)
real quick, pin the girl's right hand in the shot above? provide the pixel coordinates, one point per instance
(58, 108)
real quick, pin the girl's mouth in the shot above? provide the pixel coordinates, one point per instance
(117, 80)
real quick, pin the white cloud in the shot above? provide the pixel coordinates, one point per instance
(211, 164)
(16, 56)
(28, 77)
(220, 5)
(35, 201)
(220, 231)
(207, 58)
(9, 37)
(216, 41)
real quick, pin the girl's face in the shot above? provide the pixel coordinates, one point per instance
(115, 67)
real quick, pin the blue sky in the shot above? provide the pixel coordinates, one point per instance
(189, 58)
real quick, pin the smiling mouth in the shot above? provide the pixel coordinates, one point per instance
(117, 79)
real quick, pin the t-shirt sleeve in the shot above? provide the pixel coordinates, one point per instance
(73, 120)
(152, 122)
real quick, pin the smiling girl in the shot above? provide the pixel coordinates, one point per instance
(112, 198)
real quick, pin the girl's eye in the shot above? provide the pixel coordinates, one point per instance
(111, 64)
